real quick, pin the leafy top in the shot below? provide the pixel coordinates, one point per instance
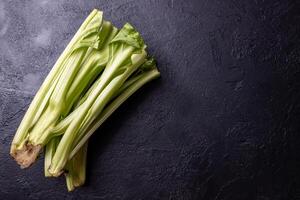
(130, 36)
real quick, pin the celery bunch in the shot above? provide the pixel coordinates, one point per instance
(99, 69)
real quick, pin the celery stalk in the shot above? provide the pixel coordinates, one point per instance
(58, 102)
(126, 54)
(49, 102)
(75, 170)
(98, 71)
(49, 152)
(142, 80)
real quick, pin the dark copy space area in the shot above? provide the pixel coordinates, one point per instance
(221, 123)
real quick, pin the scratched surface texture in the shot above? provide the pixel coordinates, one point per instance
(222, 123)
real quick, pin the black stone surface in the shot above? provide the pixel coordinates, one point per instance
(222, 123)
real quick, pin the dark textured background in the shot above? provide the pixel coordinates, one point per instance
(222, 123)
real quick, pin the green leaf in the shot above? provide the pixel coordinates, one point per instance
(129, 36)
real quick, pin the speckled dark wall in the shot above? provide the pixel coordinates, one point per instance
(222, 123)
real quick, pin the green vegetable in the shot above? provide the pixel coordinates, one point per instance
(100, 68)
(75, 69)
(134, 84)
(130, 87)
(75, 169)
(49, 153)
(126, 54)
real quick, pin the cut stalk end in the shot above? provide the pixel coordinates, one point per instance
(27, 155)
(55, 171)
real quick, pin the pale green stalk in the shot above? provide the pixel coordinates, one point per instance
(22, 131)
(142, 80)
(49, 99)
(58, 103)
(108, 93)
(100, 68)
(126, 53)
(62, 126)
(49, 153)
(72, 177)
(98, 59)
(93, 106)
(85, 77)
(75, 170)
